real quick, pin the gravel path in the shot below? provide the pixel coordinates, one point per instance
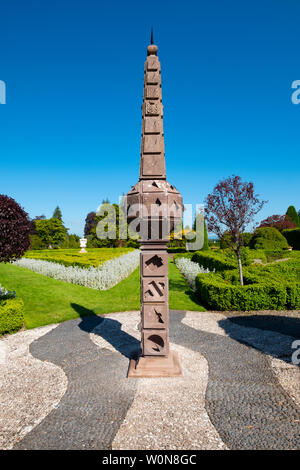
(29, 389)
(239, 389)
(178, 418)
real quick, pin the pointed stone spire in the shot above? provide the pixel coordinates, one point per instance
(152, 146)
(153, 192)
(157, 207)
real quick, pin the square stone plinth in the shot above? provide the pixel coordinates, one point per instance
(151, 367)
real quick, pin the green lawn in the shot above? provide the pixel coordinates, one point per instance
(50, 301)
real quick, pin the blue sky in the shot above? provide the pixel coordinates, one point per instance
(70, 130)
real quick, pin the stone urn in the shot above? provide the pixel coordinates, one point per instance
(83, 242)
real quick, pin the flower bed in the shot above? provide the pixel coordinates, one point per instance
(189, 269)
(6, 294)
(103, 277)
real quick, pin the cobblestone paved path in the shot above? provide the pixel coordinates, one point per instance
(98, 394)
(244, 400)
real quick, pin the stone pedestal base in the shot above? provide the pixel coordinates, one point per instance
(155, 366)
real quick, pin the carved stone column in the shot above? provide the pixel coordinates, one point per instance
(159, 210)
(154, 297)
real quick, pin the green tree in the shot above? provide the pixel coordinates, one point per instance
(71, 241)
(57, 213)
(51, 231)
(111, 227)
(200, 224)
(293, 237)
(14, 230)
(294, 217)
(90, 222)
(36, 243)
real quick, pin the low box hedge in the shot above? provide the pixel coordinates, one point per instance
(11, 315)
(262, 291)
(222, 261)
(175, 249)
(213, 261)
(182, 255)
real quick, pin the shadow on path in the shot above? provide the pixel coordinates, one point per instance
(270, 334)
(244, 400)
(110, 330)
(98, 395)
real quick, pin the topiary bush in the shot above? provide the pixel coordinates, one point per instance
(14, 230)
(11, 315)
(293, 237)
(268, 238)
(205, 241)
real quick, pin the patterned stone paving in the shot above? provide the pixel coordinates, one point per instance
(98, 394)
(244, 406)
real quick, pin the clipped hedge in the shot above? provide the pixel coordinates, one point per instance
(263, 290)
(183, 255)
(213, 261)
(176, 249)
(11, 315)
(72, 257)
(293, 296)
(293, 237)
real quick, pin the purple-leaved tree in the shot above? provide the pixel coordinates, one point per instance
(14, 230)
(231, 207)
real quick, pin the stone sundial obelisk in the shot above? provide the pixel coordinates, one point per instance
(159, 209)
